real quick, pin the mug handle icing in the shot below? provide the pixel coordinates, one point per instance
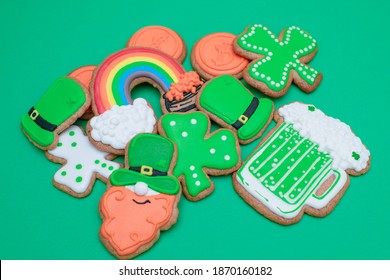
(322, 201)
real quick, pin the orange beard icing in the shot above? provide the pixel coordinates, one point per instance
(128, 225)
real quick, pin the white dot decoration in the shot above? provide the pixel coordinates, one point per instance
(227, 157)
(184, 134)
(192, 168)
(212, 151)
(172, 123)
(197, 183)
(223, 137)
(193, 121)
(194, 175)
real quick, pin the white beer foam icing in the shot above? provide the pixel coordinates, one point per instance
(332, 135)
(117, 126)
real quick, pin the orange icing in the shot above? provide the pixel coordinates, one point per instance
(214, 55)
(187, 83)
(128, 225)
(160, 38)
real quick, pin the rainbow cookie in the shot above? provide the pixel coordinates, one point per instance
(278, 61)
(121, 71)
(301, 166)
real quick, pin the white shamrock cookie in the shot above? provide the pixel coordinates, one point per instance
(82, 163)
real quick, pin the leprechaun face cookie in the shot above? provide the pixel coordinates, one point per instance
(82, 163)
(230, 104)
(112, 130)
(143, 198)
(301, 166)
(61, 105)
(200, 153)
(278, 61)
(121, 71)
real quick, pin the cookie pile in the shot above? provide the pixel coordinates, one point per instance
(300, 166)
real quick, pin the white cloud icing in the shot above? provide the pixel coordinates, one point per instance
(117, 126)
(332, 135)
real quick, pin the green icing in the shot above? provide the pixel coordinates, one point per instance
(74, 144)
(62, 100)
(79, 166)
(311, 108)
(195, 152)
(279, 57)
(148, 152)
(154, 151)
(355, 155)
(79, 179)
(289, 165)
(63, 173)
(217, 95)
(59, 144)
(104, 165)
(97, 161)
(71, 133)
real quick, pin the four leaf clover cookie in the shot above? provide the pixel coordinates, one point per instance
(278, 61)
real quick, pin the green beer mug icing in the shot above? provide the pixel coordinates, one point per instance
(308, 150)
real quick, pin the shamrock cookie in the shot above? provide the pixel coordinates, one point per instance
(120, 72)
(84, 76)
(82, 163)
(200, 153)
(143, 199)
(278, 61)
(112, 130)
(302, 166)
(213, 55)
(230, 104)
(160, 38)
(61, 105)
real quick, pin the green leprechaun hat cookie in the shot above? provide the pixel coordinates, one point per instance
(64, 101)
(151, 157)
(229, 103)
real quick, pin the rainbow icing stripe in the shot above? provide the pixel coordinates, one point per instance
(118, 71)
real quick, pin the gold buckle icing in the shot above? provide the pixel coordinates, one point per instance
(146, 170)
(34, 114)
(243, 119)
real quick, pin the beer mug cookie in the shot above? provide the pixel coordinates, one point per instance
(278, 61)
(213, 56)
(301, 166)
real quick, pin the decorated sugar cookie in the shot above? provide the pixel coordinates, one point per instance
(160, 38)
(112, 130)
(143, 198)
(61, 105)
(302, 166)
(230, 104)
(213, 56)
(123, 70)
(84, 76)
(82, 163)
(278, 61)
(200, 153)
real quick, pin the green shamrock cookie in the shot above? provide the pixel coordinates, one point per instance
(278, 61)
(200, 153)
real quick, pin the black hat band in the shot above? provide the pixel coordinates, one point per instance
(147, 170)
(41, 122)
(247, 114)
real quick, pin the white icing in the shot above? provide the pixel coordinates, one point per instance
(142, 189)
(332, 135)
(117, 126)
(82, 161)
(276, 204)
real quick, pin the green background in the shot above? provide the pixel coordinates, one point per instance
(42, 40)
